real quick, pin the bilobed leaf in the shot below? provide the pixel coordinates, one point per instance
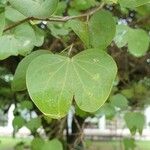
(32, 8)
(2, 22)
(119, 101)
(135, 122)
(137, 40)
(53, 80)
(52, 145)
(81, 29)
(133, 3)
(102, 29)
(20, 41)
(19, 81)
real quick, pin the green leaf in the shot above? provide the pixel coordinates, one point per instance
(53, 80)
(2, 23)
(121, 38)
(32, 8)
(83, 4)
(102, 29)
(138, 42)
(135, 122)
(20, 41)
(19, 81)
(81, 29)
(33, 124)
(13, 15)
(110, 1)
(58, 29)
(18, 122)
(26, 105)
(52, 145)
(119, 101)
(108, 110)
(133, 3)
(136, 39)
(37, 144)
(39, 35)
(129, 144)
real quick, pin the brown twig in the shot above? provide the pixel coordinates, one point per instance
(56, 19)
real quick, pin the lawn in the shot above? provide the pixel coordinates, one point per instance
(7, 143)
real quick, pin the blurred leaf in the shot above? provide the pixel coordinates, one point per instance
(119, 101)
(26, 105)
(52, 145)
(37, 144)
(135, 122)
(18, 122)
(108, 110)
(33, 124)
(129, 144)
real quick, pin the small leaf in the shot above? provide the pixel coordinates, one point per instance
(19, 81)
(138, 42)
(33, 124)
(121, 38)
(108, 110)
(88, 76)
(119, 101)
(135, 122)
(20, 41)
(32, 8)
(81, 29)
(26, 105)
(102, 29)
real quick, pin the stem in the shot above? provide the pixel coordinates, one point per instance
(56, 19)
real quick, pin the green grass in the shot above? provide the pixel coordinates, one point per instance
(116, 145)
(7, 143)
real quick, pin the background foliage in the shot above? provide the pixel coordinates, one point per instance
(62, 55)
